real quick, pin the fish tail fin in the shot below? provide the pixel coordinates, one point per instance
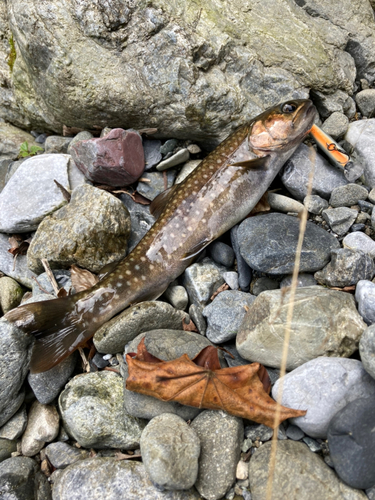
(56, 326)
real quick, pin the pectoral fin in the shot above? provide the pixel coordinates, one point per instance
(196, 249)
(160, 202)
(255, 164)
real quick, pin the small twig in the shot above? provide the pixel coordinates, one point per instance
(50, 276)
(221, 288)
(165, 179)
(144, 179)
(64, 191)
(39, 285)
(86, 364)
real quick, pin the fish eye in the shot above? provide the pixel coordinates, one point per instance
(288, 108)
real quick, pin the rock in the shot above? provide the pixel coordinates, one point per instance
(195, 313)
(354, 424)
(7, 447)
(295, 176)
(154, 184)
(42, 427)
(194, 149)
(201, 280)
(337, 101)
(262, 284)
(302, 280)
(91, 407)
(221, 253)
(62, 454)
(220, 435)
(170, 450)
(14, 428)
(81, 136)
(98, 478)
(10, 294)
(31, 194)
(141, 220)
(168, 147)
(294, 432)
(14, 364)
(91, 231)
(268, 244)
(56, 144)
(181, 156)
(360, 241)
(283, 203)
(331, 326)
(231, 279)
(361, 135)
(346, 196)
(186, 170)
(47, 385)
(225, 314)
(315, 204)
(336, 125)
(43, 285)
(5, 165)
(11, 140)
(151, 148)
(346, 268)
(365, 206)
(340, 219)
(149, 315)
(365, 296)
(323, 386)
(367, 350)
(244, 271)
(365, 100)
(308, 476)
(242, 471)
(371, 196)
(21, 479)
(177, 296)
(117, 159)
(166, 345)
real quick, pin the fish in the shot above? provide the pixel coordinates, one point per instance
(218, 194)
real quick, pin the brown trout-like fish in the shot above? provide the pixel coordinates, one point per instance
(214, 197)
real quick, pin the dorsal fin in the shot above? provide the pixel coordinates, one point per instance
(159, 203)
(254, 164)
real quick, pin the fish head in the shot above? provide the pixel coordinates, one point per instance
(281, 127)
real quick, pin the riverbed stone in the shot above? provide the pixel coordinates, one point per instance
(367, 350)
(263, 283)
(117, 159)
(151, 148)
(47, 385)
(111, 479)
(149, 315)
(186, 170)
(11, 294)
(354, 424)
(340, 219)
(91, 408)
(346, 196)
(323, 386)
(177, 296)
(42, 427)
(154, 183)
(243, 269)
(201, 280)
(221, 437)
(81, 136)
(365, 100)
(15, 426)
(336, 125)
(31, 194)
(361, 135)
(221, 253)
(315, 204)
(284, 204)
(268, 244)
(308, 475)
(166, 345)
(365, 297)
(225, 314)
(7, 447)
(91, 232)
(15, 352)
(170, 450)
(55, 144)
(346, 268)
(302, 280)
(360, 241)
(62, 454)
(295, 175)
(331, 326)
(11, 139)
(181, 156)
(141, 220)
(21, 479)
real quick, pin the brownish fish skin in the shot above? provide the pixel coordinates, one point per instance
(213, 198)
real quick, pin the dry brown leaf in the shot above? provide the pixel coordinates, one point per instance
(261, 206)
(82, 279)
(221, 288)
(189, 327)
(202, 383)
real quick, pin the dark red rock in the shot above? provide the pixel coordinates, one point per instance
(116, 159)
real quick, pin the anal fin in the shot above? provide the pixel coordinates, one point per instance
(254, 164)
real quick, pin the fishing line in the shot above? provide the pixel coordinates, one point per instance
(293, 288)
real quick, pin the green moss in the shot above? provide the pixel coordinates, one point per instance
(12, 54)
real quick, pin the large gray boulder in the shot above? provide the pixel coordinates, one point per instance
(172, 65)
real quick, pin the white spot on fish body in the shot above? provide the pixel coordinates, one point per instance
(137, 267)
